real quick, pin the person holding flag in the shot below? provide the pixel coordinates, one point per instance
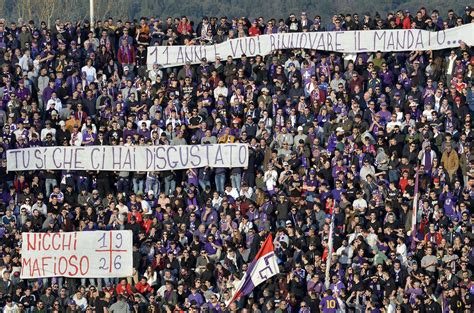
(263, 267)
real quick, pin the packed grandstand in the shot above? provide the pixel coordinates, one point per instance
(358, 166)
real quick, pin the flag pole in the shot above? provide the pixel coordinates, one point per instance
(414, 213)
(330, 247)
(415, 201)
(91, 12)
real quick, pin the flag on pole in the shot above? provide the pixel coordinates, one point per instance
(261, 269)
(415, 204)
(330, 247)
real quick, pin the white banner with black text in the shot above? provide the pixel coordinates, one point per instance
(77, 254)
(128, 158)
(337, 41)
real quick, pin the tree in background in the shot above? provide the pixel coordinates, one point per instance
(48, 10)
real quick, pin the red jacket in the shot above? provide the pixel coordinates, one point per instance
(143, 288)
(81, 116)
(407, 22)
(137, 215)
(147, 225)
(127, 290)
(182, 26)
(254, 31)
(436, 237)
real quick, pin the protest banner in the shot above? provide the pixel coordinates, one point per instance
(337, 41)
(130, 158)
(77, 254)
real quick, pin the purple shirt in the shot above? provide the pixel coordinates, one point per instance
(128, 132)
(211, 217)
(306, 74)
(387, 78)
(23, 93)
(47, 92)
(87, 137)
(196, 297)
(337, 287)
(210, 249)
(317, 287)
(385, 116)
(328, 304)
(336, 193)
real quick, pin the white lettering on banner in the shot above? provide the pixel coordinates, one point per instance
(138, 158)
(77, 254)
(338, 41)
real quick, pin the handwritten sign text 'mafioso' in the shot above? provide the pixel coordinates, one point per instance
(76, 254)
(338, 41)
(133, 158)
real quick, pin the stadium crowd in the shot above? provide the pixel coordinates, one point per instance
(332, 139)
